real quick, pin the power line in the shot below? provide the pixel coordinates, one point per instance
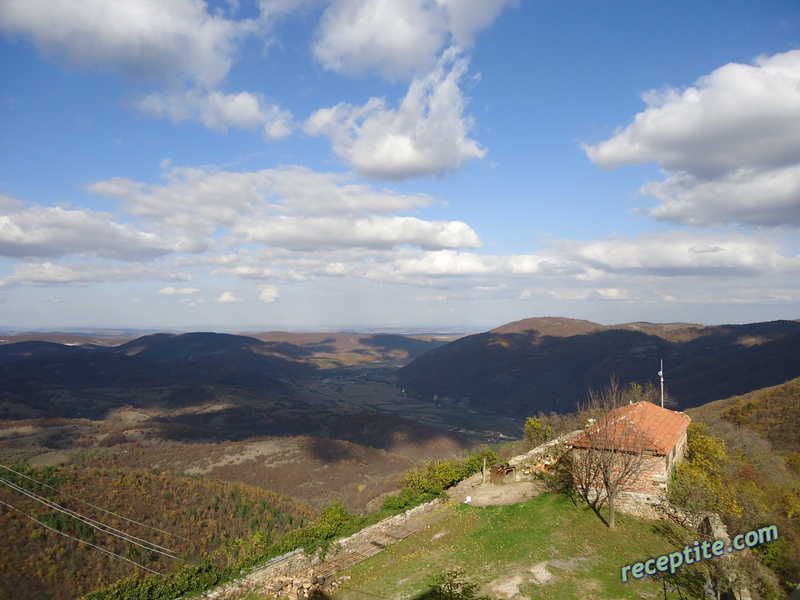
(107, 529)
(80, 540)
(92, 505)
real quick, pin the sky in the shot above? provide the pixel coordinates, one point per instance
(239, 165)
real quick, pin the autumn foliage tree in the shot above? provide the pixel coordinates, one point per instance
(608, 454)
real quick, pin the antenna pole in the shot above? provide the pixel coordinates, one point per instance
(661, 374)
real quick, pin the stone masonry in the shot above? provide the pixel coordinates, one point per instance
(298, 575)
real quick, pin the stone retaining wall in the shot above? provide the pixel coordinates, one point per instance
(541, 458)
(298, 574)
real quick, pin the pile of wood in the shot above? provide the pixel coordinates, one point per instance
(295, 588)
(539, 465)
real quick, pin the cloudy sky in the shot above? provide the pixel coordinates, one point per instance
(259, 164)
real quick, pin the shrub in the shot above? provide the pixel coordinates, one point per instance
(434, 477)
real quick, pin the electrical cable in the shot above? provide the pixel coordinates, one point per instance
(107, 529)
(80, 540)
(92, 505)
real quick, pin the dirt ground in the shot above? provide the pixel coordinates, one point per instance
(489, 494)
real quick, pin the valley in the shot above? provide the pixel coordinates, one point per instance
(320, 418)
(313, 416)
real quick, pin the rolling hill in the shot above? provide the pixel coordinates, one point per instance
(548, 364)
(171, 400)
(774, 412)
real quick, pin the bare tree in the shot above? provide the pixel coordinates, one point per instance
(610, 453)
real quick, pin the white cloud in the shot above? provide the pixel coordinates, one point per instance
(589, 294)
(226, 297)
(210, 197)
(397, 38)
(608, 269)
(465, 18)
(85, 273)
(144, 39)
(219, 111)
(290, 207)
(427, 134)
(192, 301)
(681, 253)
(41, 231)
(268, 293)
(179, 291)
(370, 232)
(738, 115)
(733, 141)
(179, 45)
(393, 37)
(748, 195)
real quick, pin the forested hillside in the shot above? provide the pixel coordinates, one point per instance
(548, 364)
(773, 412)
(734, 471)
(192, 518)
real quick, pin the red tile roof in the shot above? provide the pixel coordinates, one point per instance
(647, 427)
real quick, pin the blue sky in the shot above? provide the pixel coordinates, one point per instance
(260, 164)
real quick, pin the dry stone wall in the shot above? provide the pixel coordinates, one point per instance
(540, 459)
(299, 575)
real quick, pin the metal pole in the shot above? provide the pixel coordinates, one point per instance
(661, 374)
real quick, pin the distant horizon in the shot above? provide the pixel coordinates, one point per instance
(399, 330)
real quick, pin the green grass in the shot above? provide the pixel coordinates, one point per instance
(508, 541)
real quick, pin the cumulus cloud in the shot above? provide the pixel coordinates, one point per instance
(427, 134)
(291, 208)
(680, 253)
(397, 38)
(769, 198)
(227, 297)
(201, 194)
(597, 265)
(41, 231)
(268, 293)
(144, 39)
(178, 45)
(220, 111)
(81, 274)
(732, 141)
(465, 18)
(371, 232)
(180, 291)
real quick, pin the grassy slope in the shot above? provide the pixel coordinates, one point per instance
(505, 544)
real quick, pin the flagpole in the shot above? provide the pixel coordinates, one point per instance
(661, 374)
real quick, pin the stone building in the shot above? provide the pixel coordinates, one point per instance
(658, 434)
